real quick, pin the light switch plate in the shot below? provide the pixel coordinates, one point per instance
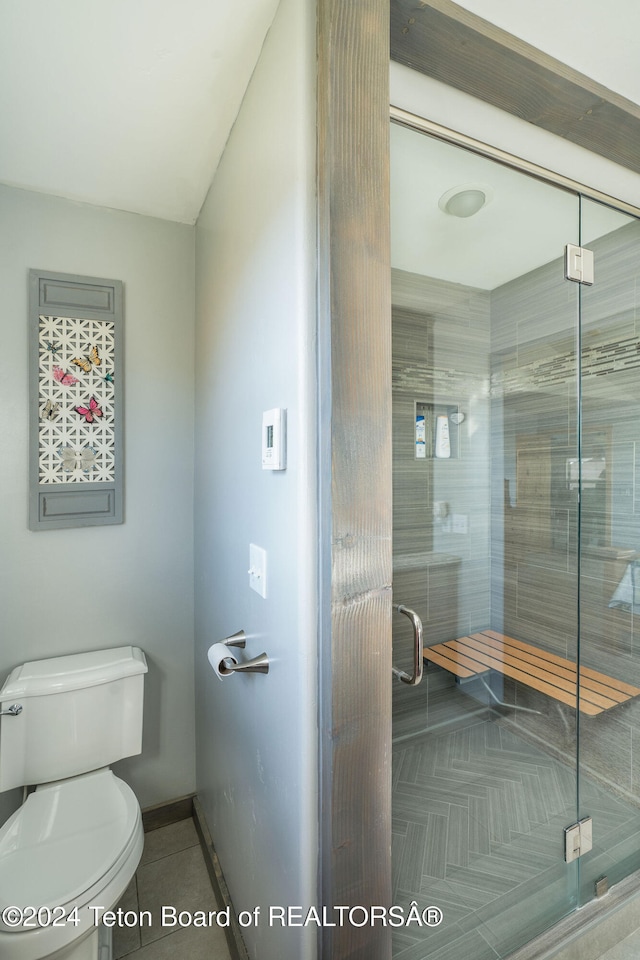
(258, 569)
(460, 523)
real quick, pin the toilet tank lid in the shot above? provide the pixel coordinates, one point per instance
(60, 674)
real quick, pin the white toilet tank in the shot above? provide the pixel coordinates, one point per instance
(79, 713)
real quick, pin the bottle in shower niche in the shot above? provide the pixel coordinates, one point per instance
(421, 447)
(443, 443)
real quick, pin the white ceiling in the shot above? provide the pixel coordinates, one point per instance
(128, 103)
(525, 224)
(124, 103)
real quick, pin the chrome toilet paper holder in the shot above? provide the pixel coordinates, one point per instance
(238, 639)
(259, 664)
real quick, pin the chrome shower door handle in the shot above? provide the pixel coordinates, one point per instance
(414, 679)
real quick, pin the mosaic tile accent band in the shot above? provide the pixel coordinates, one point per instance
(76, 439)
(606, 358)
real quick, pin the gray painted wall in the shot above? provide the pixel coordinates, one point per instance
(255, 329)
(65, 591)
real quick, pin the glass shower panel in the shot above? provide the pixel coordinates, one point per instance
(486, 518)
(609, 782)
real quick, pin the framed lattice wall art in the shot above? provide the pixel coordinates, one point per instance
(75, 401)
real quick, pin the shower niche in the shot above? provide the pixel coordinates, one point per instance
(437, 433)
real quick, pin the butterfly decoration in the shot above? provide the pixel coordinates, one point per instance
(86, 363)
(72, 459)
(66, 379)
(91, 412)
(108, 377)
(50, 410)
(53, 349)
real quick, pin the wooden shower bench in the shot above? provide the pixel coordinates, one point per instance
(479, 653)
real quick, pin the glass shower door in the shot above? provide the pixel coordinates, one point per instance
(610, 546)
(486, 420)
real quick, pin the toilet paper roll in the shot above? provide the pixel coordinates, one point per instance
(217, 654)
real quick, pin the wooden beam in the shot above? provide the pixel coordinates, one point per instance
(450, 44)
(354, 290)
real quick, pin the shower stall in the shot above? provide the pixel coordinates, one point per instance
(516, 539)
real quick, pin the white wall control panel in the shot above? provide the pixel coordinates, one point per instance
(274, 439)
(258, 569)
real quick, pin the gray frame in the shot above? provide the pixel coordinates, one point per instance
(56, 506)
(354, 337)
(459, 48)
(353, 237)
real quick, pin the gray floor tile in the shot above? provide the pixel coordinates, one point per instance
(447, 945)
(126, 939)
(172, 873)
(170, 839)
(207, 943)
(180, 881)
(627, 949)
(478, 815)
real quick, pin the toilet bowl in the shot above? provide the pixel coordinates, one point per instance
(72, 848)
(69, 852)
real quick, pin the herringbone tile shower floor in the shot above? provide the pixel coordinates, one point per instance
(478, 815)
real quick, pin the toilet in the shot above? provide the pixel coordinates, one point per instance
(76, 841)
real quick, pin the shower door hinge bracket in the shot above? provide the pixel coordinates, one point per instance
(578, 839)
(578, 264)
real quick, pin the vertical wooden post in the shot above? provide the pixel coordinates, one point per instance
(355, 431)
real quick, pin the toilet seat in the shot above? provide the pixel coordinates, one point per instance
(64, 840)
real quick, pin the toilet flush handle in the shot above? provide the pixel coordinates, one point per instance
(14, 710)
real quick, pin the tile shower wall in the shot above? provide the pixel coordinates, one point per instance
(441, 507)
(534, 410)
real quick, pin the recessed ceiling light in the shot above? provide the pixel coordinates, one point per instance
(466, 200)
